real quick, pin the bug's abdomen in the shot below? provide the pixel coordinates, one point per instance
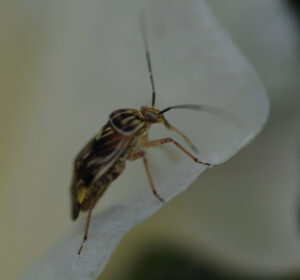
(99, 163)
(100, 186)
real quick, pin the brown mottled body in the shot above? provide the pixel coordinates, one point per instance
(103, 159)
(124, 137)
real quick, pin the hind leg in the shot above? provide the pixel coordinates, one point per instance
(87, 225)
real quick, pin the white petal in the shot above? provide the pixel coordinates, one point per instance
(99, 65)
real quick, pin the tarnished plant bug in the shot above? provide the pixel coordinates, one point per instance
(123, 137)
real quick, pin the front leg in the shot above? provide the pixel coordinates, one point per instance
(162, 141)
(142, 154)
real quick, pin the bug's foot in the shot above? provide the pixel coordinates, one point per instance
(159, 198)
(201, 162)
(81, 246)
(80, 249)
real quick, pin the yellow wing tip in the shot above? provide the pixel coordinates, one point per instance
(81, 194)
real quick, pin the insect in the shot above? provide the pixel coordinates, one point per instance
(124, 137)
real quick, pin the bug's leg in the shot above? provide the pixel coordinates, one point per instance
(87, 225)
(187, 140)
(162, 141)
(142, 154)
(146, 165)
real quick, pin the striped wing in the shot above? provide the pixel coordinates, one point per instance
(127, 121)
(93, 161)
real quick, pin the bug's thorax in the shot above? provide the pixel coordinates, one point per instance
(132, 122)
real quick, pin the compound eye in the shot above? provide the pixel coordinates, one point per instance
(151, 117)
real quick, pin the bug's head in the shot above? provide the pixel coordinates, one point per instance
(152, 115)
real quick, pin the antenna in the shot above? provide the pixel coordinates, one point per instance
(146, 47)
(218, 112)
